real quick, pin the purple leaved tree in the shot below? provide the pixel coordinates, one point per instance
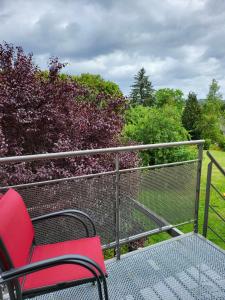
(42, 113)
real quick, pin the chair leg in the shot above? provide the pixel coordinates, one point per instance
(105, 288)
(8, 291)
(100, 290)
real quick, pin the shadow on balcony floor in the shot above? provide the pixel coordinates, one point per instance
(186, 267)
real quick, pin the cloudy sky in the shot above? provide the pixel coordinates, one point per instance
(180, 43)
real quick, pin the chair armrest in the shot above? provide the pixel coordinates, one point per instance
(80, 260)
(68, 213)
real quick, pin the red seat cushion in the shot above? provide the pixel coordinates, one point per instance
(90, 247)
(16, 229)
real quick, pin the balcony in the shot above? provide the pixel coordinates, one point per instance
(129, 205)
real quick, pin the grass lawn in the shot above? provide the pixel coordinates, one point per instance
(219, 181)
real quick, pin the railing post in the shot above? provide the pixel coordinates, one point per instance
(117, 212)
(207, 199)
(198, 183)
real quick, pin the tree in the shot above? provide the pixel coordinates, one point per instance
(169, 96)
(214, 93)
(157, 125)
(96, 84)
(214, 99)
(41, 114)
(191, 116)
(142, 91)
(210, 123)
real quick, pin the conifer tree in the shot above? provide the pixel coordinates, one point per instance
(142, 90)
(191, 116)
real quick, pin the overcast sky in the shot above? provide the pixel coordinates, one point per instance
(180, 43)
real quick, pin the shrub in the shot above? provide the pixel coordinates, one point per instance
(97, 85)
(39, 113)
(221, 143)
(157, 125)
(167, 96)
(207, 144)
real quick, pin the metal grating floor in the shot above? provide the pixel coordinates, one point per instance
(186, 267)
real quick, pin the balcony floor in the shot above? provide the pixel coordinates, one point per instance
(186, 267)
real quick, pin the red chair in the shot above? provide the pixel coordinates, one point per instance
(29, 269)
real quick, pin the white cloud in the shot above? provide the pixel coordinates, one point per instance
(179, 42)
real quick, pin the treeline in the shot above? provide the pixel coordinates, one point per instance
(180, 118)
(45, 111)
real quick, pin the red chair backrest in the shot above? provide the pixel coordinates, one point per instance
(16, 229)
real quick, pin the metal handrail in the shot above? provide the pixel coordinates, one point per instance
(218, 214)
(117, 173)
(215, 162)
(209, 184)
(121, 171)
(218, 192)
(44, 156)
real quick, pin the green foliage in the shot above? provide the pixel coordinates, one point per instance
(96, 84)
(157, 125)
(191, 116)
(210, 122)
(207, 144)
(221, 142)
(110, 253)
(214, 93)
(97, 90)
(167, 96)
(142, 91)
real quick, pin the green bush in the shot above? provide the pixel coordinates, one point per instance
(209, 125)
(157, 125)
(221, 143)
(207, 144)
(167, 96)
(96, 84)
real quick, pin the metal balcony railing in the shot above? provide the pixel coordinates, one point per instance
(125, 204)
(219, 197)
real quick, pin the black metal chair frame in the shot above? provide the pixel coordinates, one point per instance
(10, 277)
